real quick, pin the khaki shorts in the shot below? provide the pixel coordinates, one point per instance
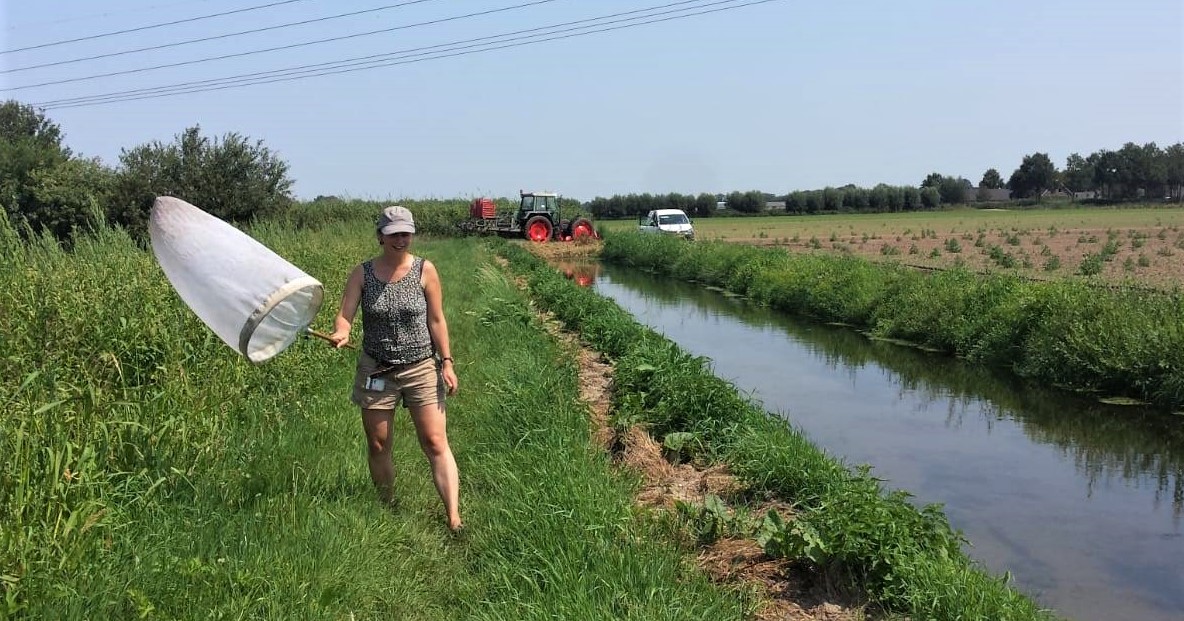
(418, 383)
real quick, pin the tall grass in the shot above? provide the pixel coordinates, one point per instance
(147, 471)
(909, 560)
(1123, 341)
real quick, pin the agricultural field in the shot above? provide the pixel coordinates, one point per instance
(1143, 244)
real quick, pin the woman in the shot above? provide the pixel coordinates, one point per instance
(405, 356)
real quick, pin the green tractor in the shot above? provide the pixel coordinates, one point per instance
(537, 219)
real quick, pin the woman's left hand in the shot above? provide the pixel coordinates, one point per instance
(450, 377)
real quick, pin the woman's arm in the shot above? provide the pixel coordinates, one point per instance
(350, 298)
(437, 325)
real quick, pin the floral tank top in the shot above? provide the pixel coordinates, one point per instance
(395, 316)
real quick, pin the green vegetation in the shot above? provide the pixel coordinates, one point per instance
(909, 559)
(1124, 341)
(230, 177)
(47, 189)
(633, 205)
(147, 471)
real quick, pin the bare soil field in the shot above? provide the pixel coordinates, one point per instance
(1143, 245)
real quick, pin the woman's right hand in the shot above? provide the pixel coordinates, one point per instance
(339, 338)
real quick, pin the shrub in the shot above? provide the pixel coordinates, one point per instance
(45, 188)
(1092, 265)
(231, 178)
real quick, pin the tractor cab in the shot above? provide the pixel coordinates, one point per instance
(538, 215)
(537, 203)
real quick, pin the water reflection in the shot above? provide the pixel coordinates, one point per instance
(583, 273)
(1080, 500)
(1140, 445)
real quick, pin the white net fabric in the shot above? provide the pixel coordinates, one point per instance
(252, 298)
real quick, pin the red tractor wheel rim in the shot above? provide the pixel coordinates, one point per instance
(539, 231)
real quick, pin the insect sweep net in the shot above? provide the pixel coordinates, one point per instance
(252, 298)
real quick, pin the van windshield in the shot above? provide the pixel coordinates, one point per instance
(673, 218)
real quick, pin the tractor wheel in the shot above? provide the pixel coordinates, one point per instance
(581, 228)
(537, 229)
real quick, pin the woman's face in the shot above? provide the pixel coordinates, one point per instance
(397, 241)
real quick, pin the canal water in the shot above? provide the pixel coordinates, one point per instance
(1080, 501)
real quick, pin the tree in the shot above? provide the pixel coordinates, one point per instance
(42, 188)
(747, 202)
(1035, 174)
(20, 122)
(1174, 171)
(70, 196)
(932, 180)
(705, 205)
(855, 199)
(930, 198)
(1078, 174)
(953, 190)
(991, 180)
(1106, 166)
(231, 178)
(910, 198)
(832, 199)
(814, 202)
(795, 202)
(1141, 170)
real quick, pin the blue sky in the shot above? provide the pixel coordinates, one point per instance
(779, 96)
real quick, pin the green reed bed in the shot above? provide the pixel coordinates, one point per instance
(1072, 333)
(908, 560)
(147, 471)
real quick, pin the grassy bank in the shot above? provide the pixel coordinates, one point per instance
(908, 559)
(146, 471)
(1122, 341)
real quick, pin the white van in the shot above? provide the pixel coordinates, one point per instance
(670, 221)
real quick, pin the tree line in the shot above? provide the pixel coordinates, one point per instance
(1133, 172)
(45, 188)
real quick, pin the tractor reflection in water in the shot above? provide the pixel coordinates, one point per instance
(583, 273)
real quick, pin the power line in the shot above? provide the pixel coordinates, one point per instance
(215, 37)
(395, 54)
(276, 49)
(118, 97)
(150, 27)
(79, 18)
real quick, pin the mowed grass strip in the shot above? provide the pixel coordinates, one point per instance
(147, 471)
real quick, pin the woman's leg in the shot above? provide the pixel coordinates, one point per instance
(430, 428)
(377, 424)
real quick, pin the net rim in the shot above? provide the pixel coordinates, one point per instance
(277, 296)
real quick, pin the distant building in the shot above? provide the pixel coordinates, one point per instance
(775, 206)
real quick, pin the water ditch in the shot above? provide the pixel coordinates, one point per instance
(1081, 502)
